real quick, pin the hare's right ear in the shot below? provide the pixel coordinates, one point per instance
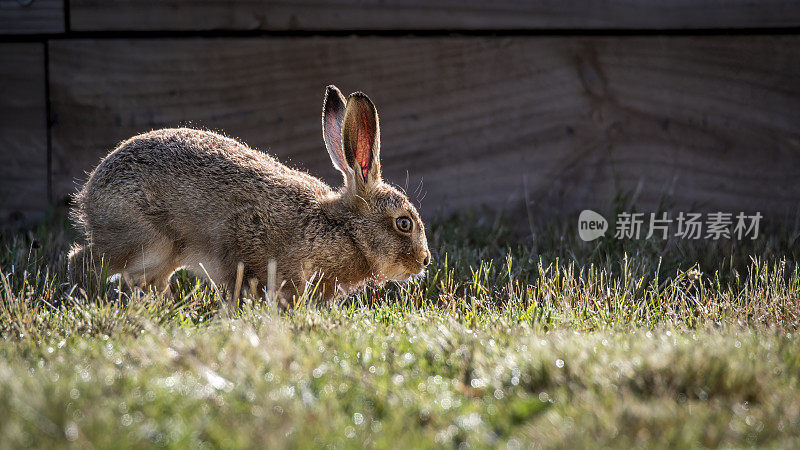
(361, 136)
(332, 118)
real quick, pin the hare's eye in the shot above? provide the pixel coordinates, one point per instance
(404, 224)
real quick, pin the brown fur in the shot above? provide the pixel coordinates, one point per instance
(176, 198)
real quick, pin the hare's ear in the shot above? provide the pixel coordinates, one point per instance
(362, 139)
(332, 117)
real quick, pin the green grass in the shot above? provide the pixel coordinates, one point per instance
(505, 342)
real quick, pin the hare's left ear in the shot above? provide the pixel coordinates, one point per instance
(332, 117)
(361, 138)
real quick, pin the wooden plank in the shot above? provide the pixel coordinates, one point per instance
(429, 14)
(23, 134)
(31, 16)
(560, 123)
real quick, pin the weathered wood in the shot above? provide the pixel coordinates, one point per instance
(429, 14)
(23, 134)
(31, 16)
(556, 123)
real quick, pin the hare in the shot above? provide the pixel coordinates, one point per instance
(185, 198)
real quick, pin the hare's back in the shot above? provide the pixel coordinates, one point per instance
(171, 164)
(183, 173)
(180, 153)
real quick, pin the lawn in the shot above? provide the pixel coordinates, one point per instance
(507, 341)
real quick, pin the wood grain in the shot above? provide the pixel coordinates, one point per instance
(556, 124)
(31, 16)
(429, 14)
(23, 136)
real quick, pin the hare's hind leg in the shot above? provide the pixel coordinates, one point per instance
(153, 265)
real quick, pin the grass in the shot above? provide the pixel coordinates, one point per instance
(505, 342)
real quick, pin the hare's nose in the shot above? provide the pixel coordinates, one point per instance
(427, 259)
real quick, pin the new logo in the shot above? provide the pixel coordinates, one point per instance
(591, 225)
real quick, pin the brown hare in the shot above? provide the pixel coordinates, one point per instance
(189, 198)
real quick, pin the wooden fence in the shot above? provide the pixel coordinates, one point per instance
(547, 106)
